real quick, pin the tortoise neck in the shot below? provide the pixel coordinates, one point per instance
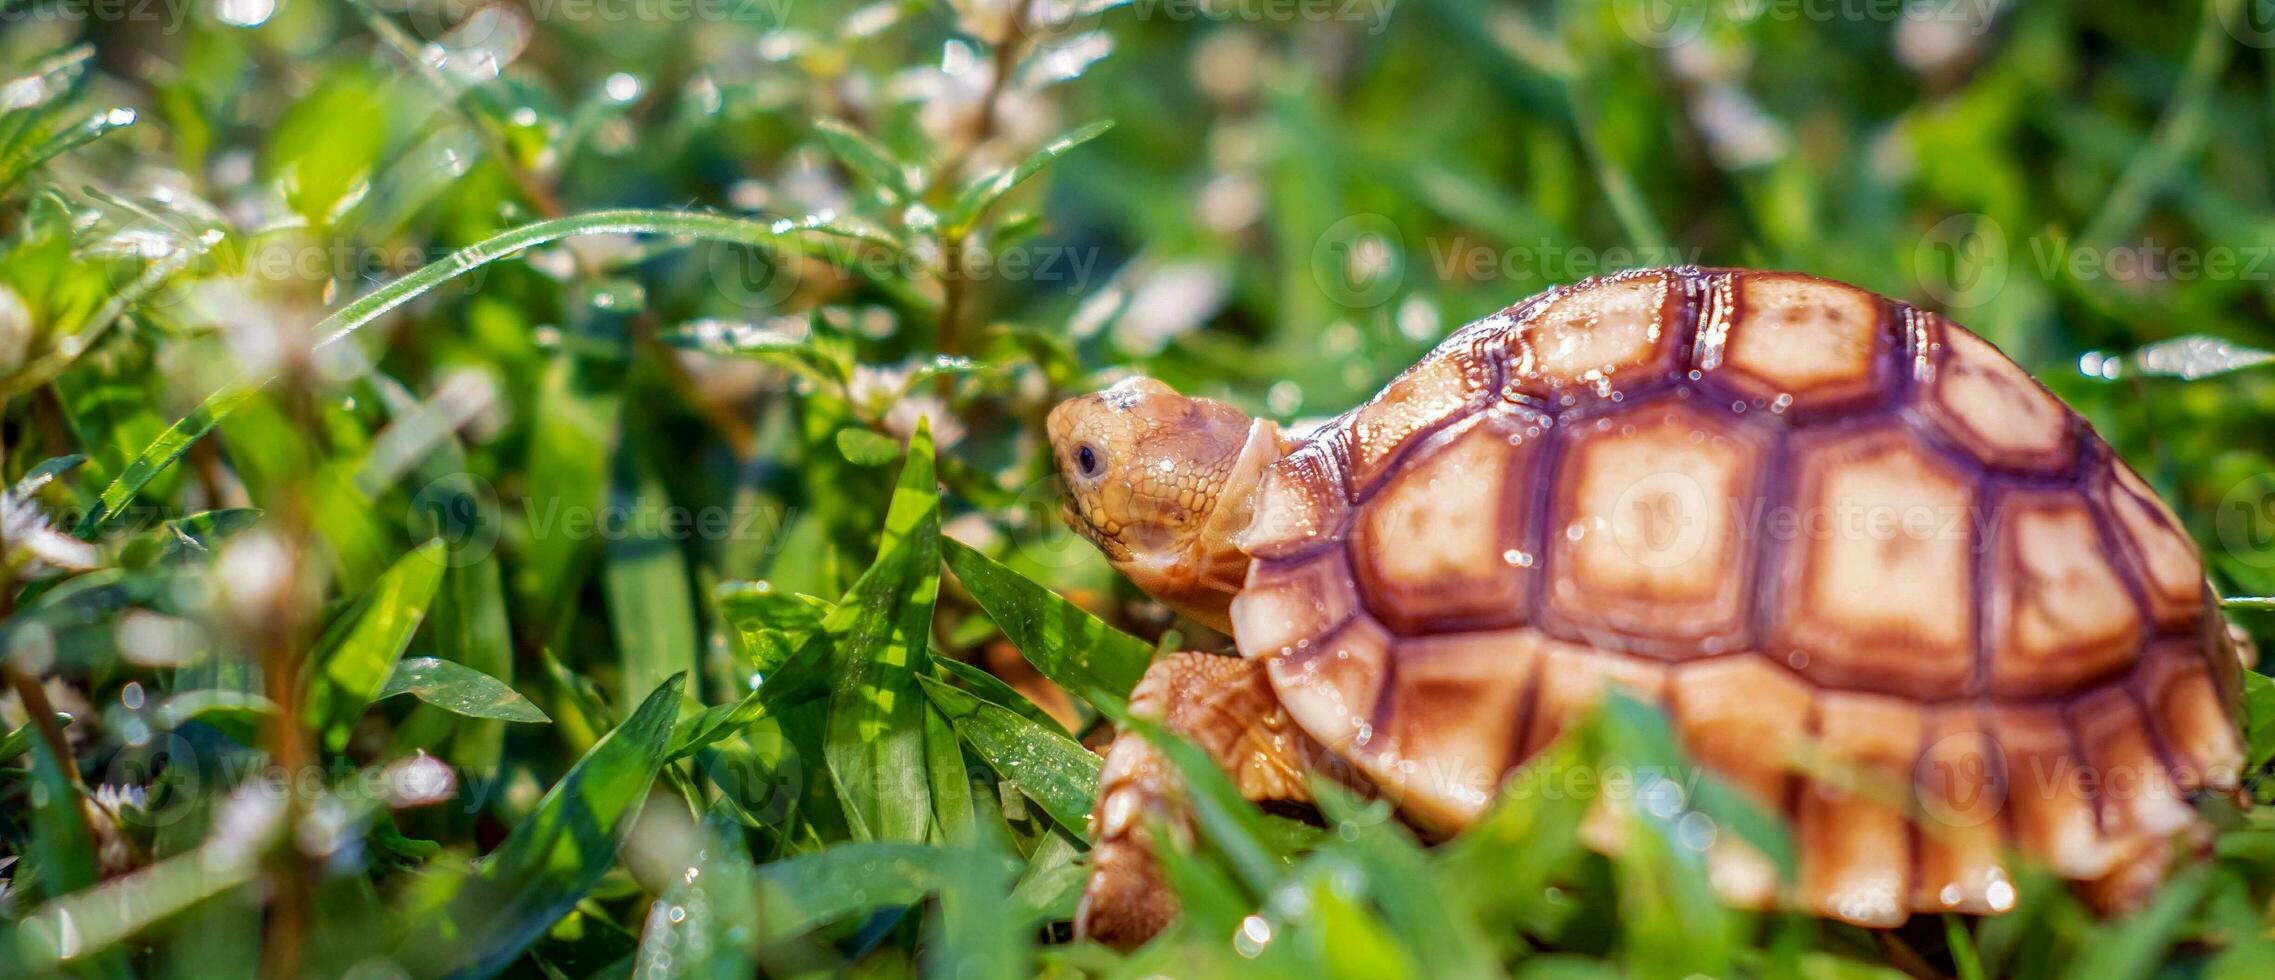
(1201, 582)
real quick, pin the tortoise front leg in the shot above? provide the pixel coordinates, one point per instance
(1226, 706)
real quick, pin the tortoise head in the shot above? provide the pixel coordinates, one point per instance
(1161, 484)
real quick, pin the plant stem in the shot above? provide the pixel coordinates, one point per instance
(952, 286)
(281, 648)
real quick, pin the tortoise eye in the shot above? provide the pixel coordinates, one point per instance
(1086, 459)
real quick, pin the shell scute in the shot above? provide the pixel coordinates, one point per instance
(1301, 504)
(1330, 685)
(2135, 793)
(1813, 343)
(1451, 771)
(2191, 716)
(1458, 376)
(2049, 800)
(1644, 542)
(1446, 542)
(1573, 679)
(1851, 820)
(1287, 603)
(1602, 336)
(1960, 783)
(1993, 407)
(1877, 589)
(2060, 616)
(1745, 717)
(2171, 569)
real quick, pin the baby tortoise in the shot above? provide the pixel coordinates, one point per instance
(1809, 522)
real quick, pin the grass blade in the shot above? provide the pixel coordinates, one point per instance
(706, 924)
(866, 156)
(555, 856)
(1073, 648)
(984, 192)
(1051, 769)
(178, 438)
(354, 666)
(875, 738)
(651, 605)
(460, 690)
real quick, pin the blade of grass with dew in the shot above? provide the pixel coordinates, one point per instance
(1441, 932)
(651, 604)
(2259, 718)
(766, 623)
(798, 894)
(804, 677)
(1076, 650)
(45, 472)
(460, 690)
(982, 193)
(352, 665)
(195, 536)
(470, 623)
(815, 356)
(952, 810)
(705, 925)
(177, 439)
(1049, 768)
(18, 742)
(576, 426)
(556, 856)
(866, 157)
(875, 737)
(87, 130)
(2195, 357)
(992, 689)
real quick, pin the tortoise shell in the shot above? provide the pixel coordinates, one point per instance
(1810, 522)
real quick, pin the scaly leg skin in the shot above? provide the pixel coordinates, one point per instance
(1224, 705)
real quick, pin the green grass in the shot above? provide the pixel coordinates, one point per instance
(601, 455)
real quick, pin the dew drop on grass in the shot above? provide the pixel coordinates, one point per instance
(1252, 936)
(621, 87)
(244, 13)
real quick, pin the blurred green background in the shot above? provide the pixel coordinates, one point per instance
(764, 260)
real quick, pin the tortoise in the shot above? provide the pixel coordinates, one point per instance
(1834, 536)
